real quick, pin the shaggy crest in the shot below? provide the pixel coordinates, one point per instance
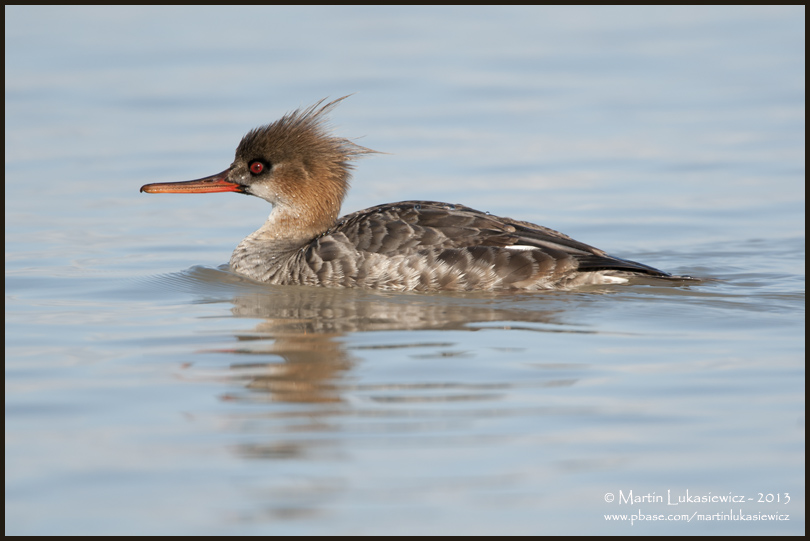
(304, 134)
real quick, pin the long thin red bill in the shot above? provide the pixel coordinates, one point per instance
(212, 184)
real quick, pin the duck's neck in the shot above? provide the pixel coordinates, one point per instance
(302, 210)
(286, 224)
(286, 231)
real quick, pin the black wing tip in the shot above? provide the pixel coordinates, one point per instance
(593, 264)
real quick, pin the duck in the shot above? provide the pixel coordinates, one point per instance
(303, 170)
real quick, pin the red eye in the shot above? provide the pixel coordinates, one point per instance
(256, 167)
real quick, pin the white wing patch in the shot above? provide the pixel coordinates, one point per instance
(519, 248)
(614, 280)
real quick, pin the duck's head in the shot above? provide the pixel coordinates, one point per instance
(294, 163)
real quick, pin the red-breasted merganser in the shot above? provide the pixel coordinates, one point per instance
(303, 171)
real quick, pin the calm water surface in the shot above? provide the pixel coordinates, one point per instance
(150, 390)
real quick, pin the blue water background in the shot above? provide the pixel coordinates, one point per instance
(149, 390)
